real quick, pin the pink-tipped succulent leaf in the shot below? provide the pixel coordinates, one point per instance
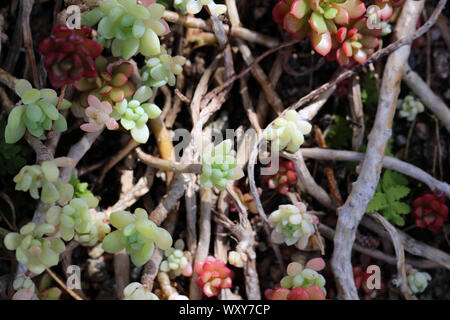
(284, 178)
(213, 276)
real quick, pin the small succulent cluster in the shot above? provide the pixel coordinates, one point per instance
(236, 259)
(162, 69)
(134, 114)
(137, 234)
(69, 55)
(137, 291)
(409, 107)
(213, 276)
(36, 114)
(337, 29)
(77, 220)
(301, 282)
(80, 188)
(175, 262)
(418, 281)
(99, 113)
(33, 249)
(292, 225)
(111, 82)
(129, 27)
(284, 178)
(195, 6)
(219, 165)
(45, 176)
(246, 199)
(288, 132)
(430, 211)
(25, 288)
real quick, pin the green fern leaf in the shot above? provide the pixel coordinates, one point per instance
(401, 207)
(397, 192)
(377, 203)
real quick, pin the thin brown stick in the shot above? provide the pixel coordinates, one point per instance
(167, 165)
(356, 108)
(62, 284)
(238, 32)
(204, 238)
(328, 170)
(121, 271)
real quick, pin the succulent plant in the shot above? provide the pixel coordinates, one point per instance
(355, 43)
(287, 132)
(129, 27)
(284, 178)
(45, 291)
(246, 199)
(99, 113)
(137, 291)
(80, 188)
(33, 249)
(219, 165)
(430, 211)
(235, 259)
(36, 114)
(292, 225)
(213, 276)
(161, 69)
(134, 114)
(111, 82)
(25, 288)
(76, 220)
(175, 262)
(301, 282)
(409, 107)
(418, 281)
(137, 234)
(195, 6)
(45, 176)
(387, 7)
(69, 55)
(318, 19)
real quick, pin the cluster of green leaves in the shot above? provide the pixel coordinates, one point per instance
(339, 133)
(390, 190)
(12, 156)
(36, 114)
(80, 188)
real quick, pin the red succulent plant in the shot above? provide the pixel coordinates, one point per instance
(355, 43)
(318, 19)
(213, 276)
(430, 211)
(247, 200)
(69, 55)
(284, 178)
(313, 292)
